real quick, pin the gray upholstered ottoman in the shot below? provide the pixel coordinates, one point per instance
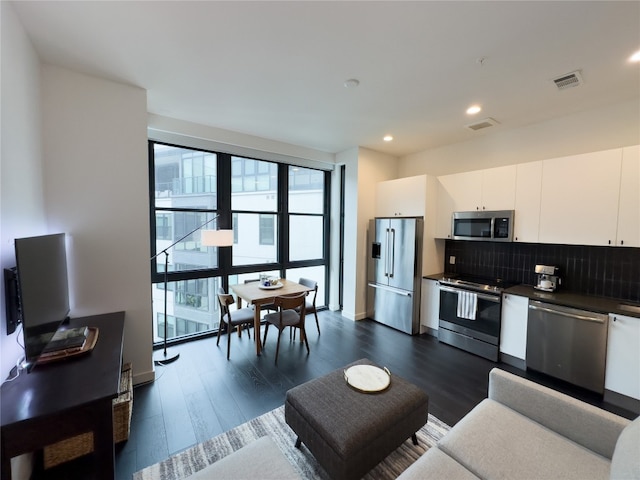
(350, 432)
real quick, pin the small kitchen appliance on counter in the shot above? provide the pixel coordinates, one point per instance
(548, 279)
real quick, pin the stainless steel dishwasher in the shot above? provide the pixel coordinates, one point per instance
(567, 343)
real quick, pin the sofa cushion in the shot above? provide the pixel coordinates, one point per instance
(495, 442)
(625, 463)
(260, 459)
(590, 426)
(436, 464)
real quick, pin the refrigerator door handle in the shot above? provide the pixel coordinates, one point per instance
(392, 246)
(404, 293)
(386, 256)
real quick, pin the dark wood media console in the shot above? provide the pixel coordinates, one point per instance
(66, 398)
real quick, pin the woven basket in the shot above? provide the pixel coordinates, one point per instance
(123, 406)
(75, 447)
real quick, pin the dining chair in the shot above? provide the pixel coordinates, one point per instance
(242, 317)
(310, 305)
(287, 316)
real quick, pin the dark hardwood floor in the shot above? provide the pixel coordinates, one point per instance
(202, 394)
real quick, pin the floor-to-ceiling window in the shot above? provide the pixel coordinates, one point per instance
(279, 215)
(307, 226)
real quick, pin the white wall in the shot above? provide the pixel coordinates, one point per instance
(611, 126)
(364, 169)
(96, 190)
(189, 134)
(349, 158)
(22, 205)
(334, 239)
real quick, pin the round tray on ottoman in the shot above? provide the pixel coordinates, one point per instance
(368, 378)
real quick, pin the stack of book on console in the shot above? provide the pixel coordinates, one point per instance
(67, 339)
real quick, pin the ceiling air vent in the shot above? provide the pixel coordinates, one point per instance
(573, 79)
(487, 122)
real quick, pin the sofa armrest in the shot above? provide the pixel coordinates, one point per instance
(585, 424)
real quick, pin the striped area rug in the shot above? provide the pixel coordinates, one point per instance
(272, 423)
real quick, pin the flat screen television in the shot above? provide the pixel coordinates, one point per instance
(43, 290)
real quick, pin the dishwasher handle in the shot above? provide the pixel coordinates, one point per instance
(597, 318)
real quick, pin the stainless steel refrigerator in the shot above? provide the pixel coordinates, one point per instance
(394, 272)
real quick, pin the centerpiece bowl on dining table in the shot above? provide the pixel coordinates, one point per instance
(271, 284)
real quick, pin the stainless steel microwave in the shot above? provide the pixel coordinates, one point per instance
(488, 226)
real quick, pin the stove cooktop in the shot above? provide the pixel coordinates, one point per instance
(479, 283)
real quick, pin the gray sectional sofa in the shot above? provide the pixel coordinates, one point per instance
(527, 431)
(523, 431)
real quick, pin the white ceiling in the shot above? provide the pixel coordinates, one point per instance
(276, 69)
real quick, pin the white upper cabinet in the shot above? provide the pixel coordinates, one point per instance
(413, 197)
(445, 208)
(579, 199)
(465, 189)
(404, 197)
(499, 188)
(587, 199)
(490, 189)
(527, 205)
(628, 234)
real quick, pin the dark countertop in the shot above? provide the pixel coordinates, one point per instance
(434, 276)
(575, 300)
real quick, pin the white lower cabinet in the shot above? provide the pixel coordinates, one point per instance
(622, 373)
(430, 306)
(513, 330)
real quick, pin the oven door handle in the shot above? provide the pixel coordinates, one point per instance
(484, 296)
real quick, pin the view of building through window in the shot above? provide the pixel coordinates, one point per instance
(189, 188)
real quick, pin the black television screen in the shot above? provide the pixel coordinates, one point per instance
(43, 289)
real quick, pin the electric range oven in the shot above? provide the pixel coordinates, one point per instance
(470, 315)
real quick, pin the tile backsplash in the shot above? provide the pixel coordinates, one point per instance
(601, 271)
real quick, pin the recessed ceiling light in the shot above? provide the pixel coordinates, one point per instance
(635, 57)
(352, 83)
(387, 138)
(473, 109)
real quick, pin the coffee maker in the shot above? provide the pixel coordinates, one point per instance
(548, 279)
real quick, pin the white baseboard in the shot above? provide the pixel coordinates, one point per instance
(145, 377)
